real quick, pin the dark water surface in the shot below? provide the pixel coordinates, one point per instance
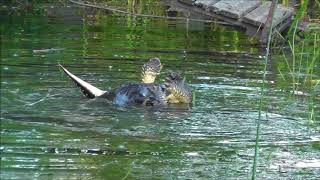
(49, 130)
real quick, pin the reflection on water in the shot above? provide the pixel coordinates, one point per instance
(49, 130)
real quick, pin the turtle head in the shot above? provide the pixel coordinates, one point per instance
(150, 70)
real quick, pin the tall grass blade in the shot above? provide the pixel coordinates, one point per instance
(256, 148)
(300, 65)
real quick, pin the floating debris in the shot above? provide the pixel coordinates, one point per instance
(47, 50)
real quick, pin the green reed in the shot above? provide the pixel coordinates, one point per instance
(303, 54)
(299, 14)
(301, 58)
(266, 60)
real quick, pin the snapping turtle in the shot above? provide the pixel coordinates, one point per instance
(146, 93)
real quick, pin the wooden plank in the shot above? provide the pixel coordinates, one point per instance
(209, 14)
(252, 30)
(259, 16)
(205, 3)
(235, 8)
(189, 2)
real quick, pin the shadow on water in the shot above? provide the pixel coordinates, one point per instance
(49, 130)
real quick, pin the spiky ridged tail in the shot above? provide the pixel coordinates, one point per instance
(87, 89)
(180, 91)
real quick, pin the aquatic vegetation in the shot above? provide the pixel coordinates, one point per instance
(258, 122)
(302, 55)
(296, 65)
(301, 62)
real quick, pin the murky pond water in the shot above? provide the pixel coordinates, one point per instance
(49, 130)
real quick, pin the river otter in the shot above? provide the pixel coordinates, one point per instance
(146, 93)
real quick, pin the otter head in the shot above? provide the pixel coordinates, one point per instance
(150, 70)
